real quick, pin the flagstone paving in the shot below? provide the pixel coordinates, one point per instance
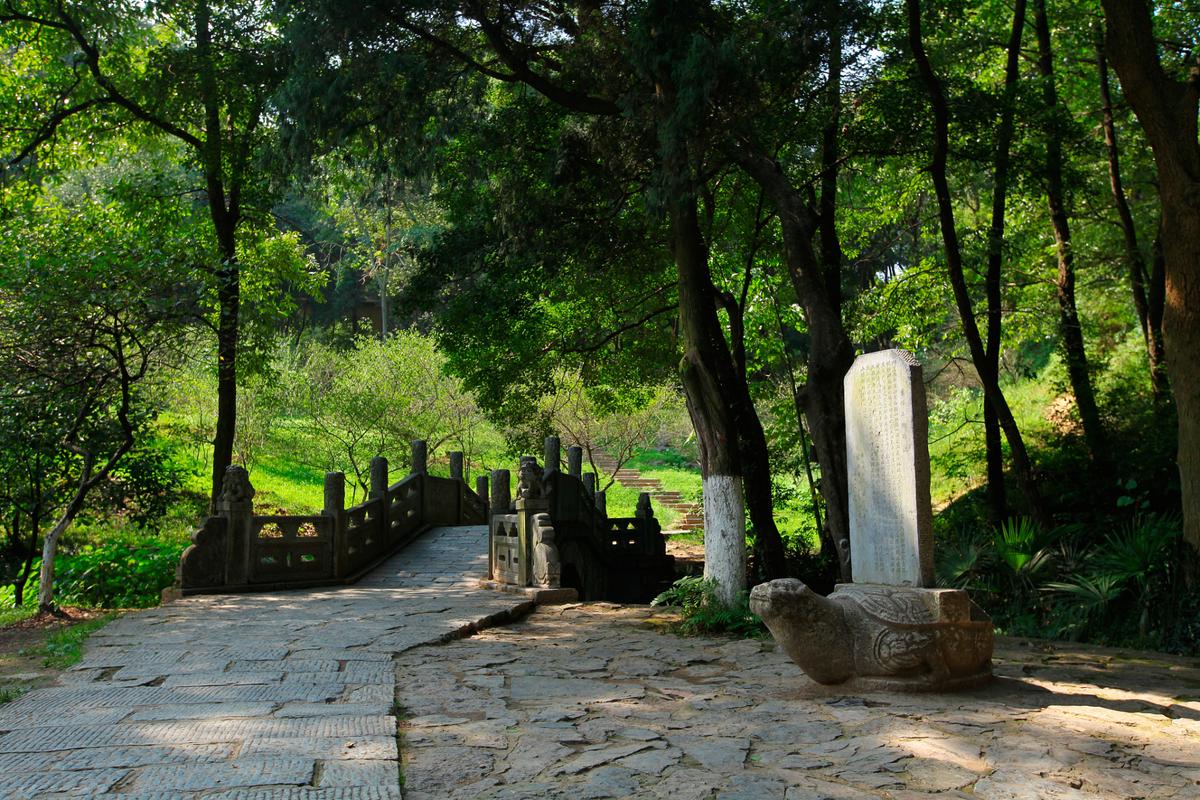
(597, 701)
(295, 696)
(258, 696)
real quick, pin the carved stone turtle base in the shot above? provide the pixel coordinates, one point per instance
(871, 636)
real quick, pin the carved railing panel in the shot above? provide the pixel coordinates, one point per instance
(404, 509)
(507, 554)
(285, 548)
(621, 559)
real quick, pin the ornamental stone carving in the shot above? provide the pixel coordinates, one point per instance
(874, 636)
(547, 567)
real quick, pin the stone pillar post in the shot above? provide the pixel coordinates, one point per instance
(456, 465)
(420, 457)
(481, 489)
(553, 454)
(643, 506)
(601, 503)
(501, 491)
(379, 477)
(527, 509)
(575, 461)
(236, 504)
(335, 509)
(589, 483)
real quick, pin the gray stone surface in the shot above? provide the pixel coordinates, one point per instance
(887, 460)
(624, 709)
(872, 636)
(287, 696)
(696, 722)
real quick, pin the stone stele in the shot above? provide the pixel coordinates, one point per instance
(887, 462)
(888, 629)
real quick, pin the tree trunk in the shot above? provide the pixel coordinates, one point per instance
(707, 367)
(996, 493)
(228, 301)
(1167, 110)
(1074, 351)
(754, 454)
(1156, 305)
(1136, 264)
(50, 544)
(830, 350)
(30, 550)
(954, 265)
(225, 213)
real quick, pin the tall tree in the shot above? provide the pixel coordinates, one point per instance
(1070, 330)
(88, 299)
(954, 265)
(201, 72)
(997, 495)
(1146, 285)
(1165, 99)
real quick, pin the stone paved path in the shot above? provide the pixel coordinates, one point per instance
(596, 701)
(294, 696)
(278, 696)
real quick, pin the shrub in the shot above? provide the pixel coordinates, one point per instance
(703, 613)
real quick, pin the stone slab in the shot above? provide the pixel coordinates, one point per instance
(887, 459)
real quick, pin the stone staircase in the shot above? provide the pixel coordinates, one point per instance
(691, 515)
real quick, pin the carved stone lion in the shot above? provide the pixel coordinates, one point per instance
(236, 486)
(529, 481)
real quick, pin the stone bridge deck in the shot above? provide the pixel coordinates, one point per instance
(296, 696)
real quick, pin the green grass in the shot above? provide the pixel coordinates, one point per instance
(11, 616)
(956, 447)
(63, 648)
(10, 693)
(674, 471)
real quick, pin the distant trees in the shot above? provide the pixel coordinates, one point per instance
(374, 399)
(200, 73)
(604, 419)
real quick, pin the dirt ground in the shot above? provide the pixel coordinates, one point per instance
(21, 665)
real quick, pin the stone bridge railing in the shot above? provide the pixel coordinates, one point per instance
(238, 550)
(557, 533)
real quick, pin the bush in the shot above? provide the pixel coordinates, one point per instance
(1125, 587)
(703, 613)
(115, 575)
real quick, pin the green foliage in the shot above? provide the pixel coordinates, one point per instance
(10, 693)
(704, 614)
(63, 648)
(118, 575)
(1122, 587)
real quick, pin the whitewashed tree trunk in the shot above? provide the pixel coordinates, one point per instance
(46, 575)
(725, 535)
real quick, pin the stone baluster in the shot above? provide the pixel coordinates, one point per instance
(601, 503)
(379, 477)
(553, 454)
(575, 461)
(420, 457)
(589, 484)
(501, 491)
(236, 504)
(335, 509)
(456, 465)
(644, 510)
(481, 488)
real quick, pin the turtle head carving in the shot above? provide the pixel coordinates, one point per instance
(811, 629)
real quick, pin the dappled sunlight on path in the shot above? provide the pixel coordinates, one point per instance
(597, 701)
(289, 692)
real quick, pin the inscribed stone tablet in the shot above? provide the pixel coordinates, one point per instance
(887, 457)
